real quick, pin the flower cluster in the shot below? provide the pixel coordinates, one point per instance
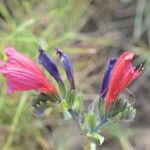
(112, 105)
(23, 74)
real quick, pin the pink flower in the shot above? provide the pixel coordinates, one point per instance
(23, 74)
(122, 75)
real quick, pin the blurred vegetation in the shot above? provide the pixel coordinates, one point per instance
(89, 31)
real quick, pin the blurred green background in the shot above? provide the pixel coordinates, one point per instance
(89, 31)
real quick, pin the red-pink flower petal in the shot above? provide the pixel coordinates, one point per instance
(123, 74)
(23, 74)
(20, 60)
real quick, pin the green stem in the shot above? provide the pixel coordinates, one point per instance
(73, 114)
(15, 121)
(86, 143)
(93, 146)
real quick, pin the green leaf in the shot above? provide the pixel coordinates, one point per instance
(97, 137)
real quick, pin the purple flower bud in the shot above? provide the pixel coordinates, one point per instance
(67, 66)
(49, 65)
(107, 76)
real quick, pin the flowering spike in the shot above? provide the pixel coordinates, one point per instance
(49, 65)
(123, 74)
(67, 66)
(23, 74)
(106, 77)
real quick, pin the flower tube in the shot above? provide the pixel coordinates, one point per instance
(67, 66)
(49, 65)
(106, 77)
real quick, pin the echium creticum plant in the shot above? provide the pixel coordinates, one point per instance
(23, 74)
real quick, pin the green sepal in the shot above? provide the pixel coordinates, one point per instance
(78, 102)
(42, 101)
(64, 106)
(70, 97)
(62, 90)
(89, 121)
(101, 107)
(129, 114)
(121, 110)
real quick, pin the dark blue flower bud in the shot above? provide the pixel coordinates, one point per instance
(67, 66)
(106, 77)
(49, 65)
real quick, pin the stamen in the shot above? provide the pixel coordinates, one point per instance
(139, 67)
